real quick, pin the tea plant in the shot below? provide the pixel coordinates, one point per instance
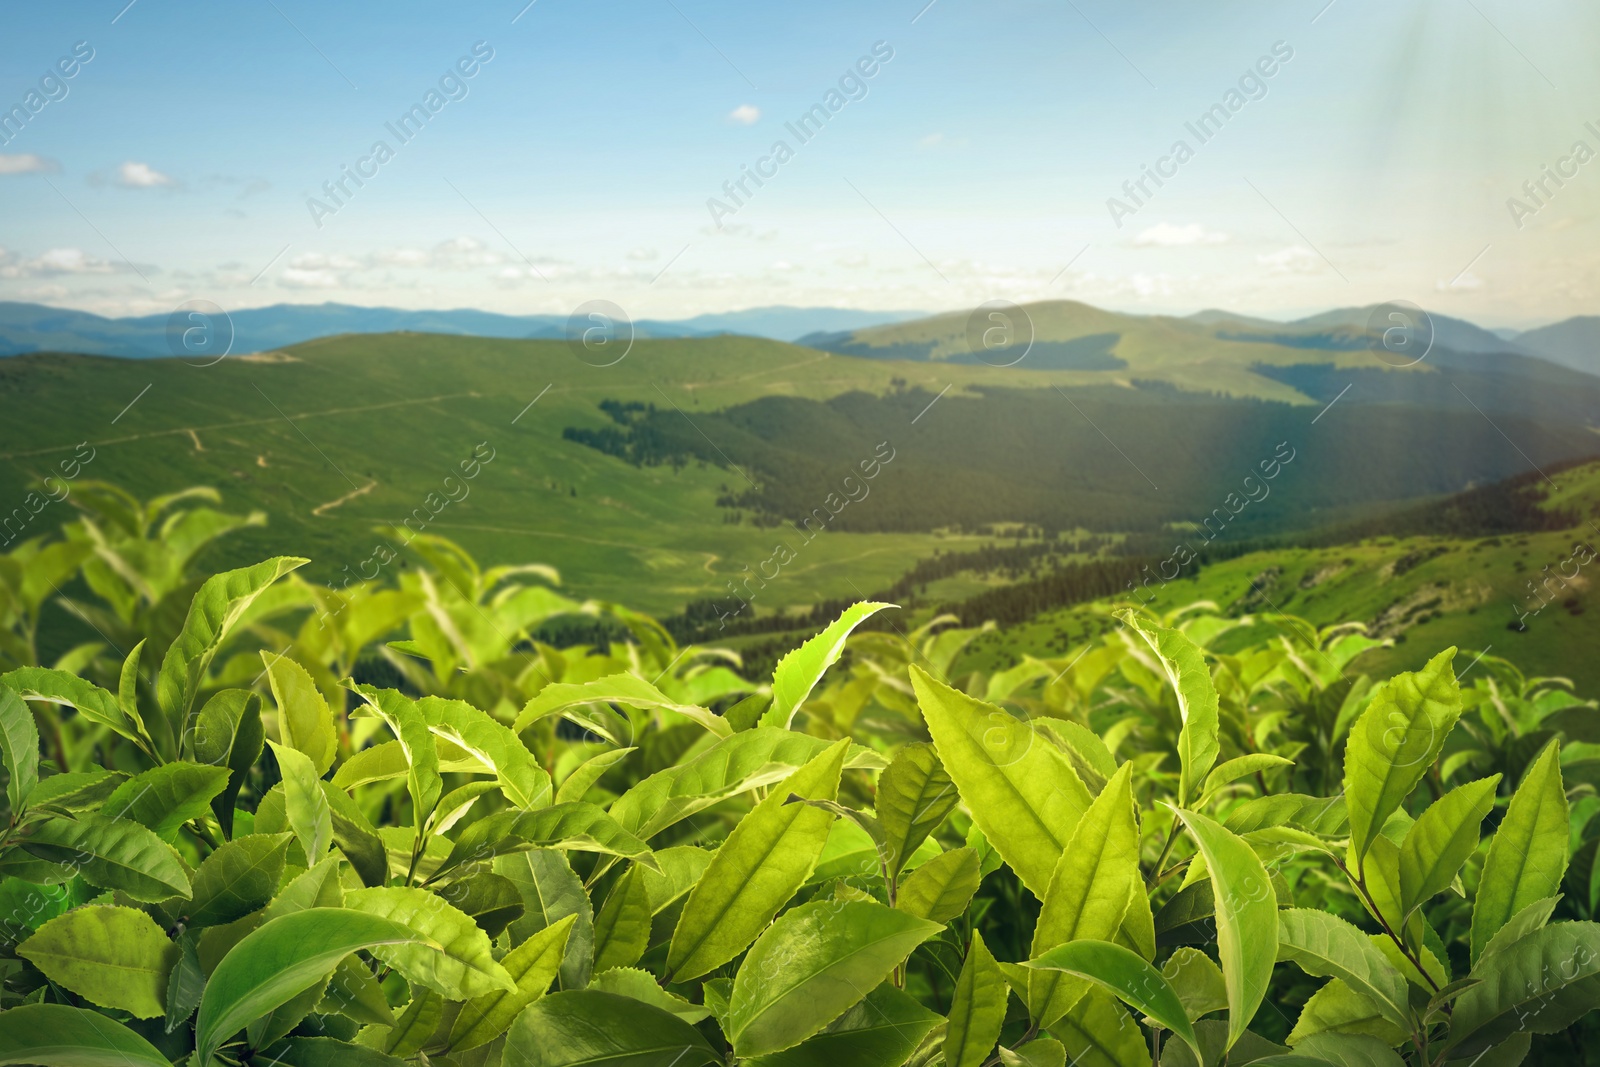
(534, 856)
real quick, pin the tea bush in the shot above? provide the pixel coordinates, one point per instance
(1200, 841)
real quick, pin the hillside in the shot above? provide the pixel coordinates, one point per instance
(687, 466)
(1574, 342)
(1526, 595)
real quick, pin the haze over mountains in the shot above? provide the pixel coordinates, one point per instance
(1079, 339)
(39, 328)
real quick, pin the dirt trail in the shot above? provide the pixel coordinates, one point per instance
(323, 509)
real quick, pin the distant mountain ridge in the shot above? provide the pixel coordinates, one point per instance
(40, 328)
(1068, 335)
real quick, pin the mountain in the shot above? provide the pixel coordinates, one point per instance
(1458, 335)
(39, 328)
(1574, 342)
(1235, 355)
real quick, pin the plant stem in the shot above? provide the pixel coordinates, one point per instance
(1172, 836)
(1361, 884)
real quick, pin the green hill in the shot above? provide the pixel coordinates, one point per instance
(726, 444)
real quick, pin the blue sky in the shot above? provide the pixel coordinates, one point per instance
(1377, 163)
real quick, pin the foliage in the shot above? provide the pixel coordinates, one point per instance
(237, 842)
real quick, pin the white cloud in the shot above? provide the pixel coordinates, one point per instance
(400, 257)
(1166, 235)
(27, 163)
(933, 140)
(300, 278)
(642, 255)
(1296, 259)
(56, 261)
(745, 115)
(132, 175)
(318, 261)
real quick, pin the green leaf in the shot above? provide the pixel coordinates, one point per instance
(680, 868)
(1021, 790)
(1337, 1008)
(1190, 678)
(1089, 891)
(1540, 984)
(415, 1025)
(977, 1008)
(1531, 918)
(68, 690)
(304, 802)
(128, 686)
(238, 878)
(588, 1028)
(1241, 767)
(19, 748)
(800, 670)
(940, 889)
(811, 965)
(379, 763)
(316, 888)
(1246, 915)
(110, 956)
(759, 867)
(551, 892)
(456, 961)
(326, 1052)
(278, 961)
(747, 760)
(276, 1024)
(218, 605)
(576, 786)
(491, 901)
(524, 783)
(532, 965)
(354, 993)
(75, 791)
(1197, 981)
(641, 985)
(407, 722)
(881, 1031)
(228, 733)
(1440, 841)
(622, 928)
(1341, 1050)
(1124, 973)
(1040, 1052)
(54, 1035)
(165, 797)
(112, 854)
(579, 827)
(1099, 1032)
(355, 836)
(626, 689)
(1394, 743)
(1528, 854)
(914, 796)
(1325, 946)
(305, 723)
